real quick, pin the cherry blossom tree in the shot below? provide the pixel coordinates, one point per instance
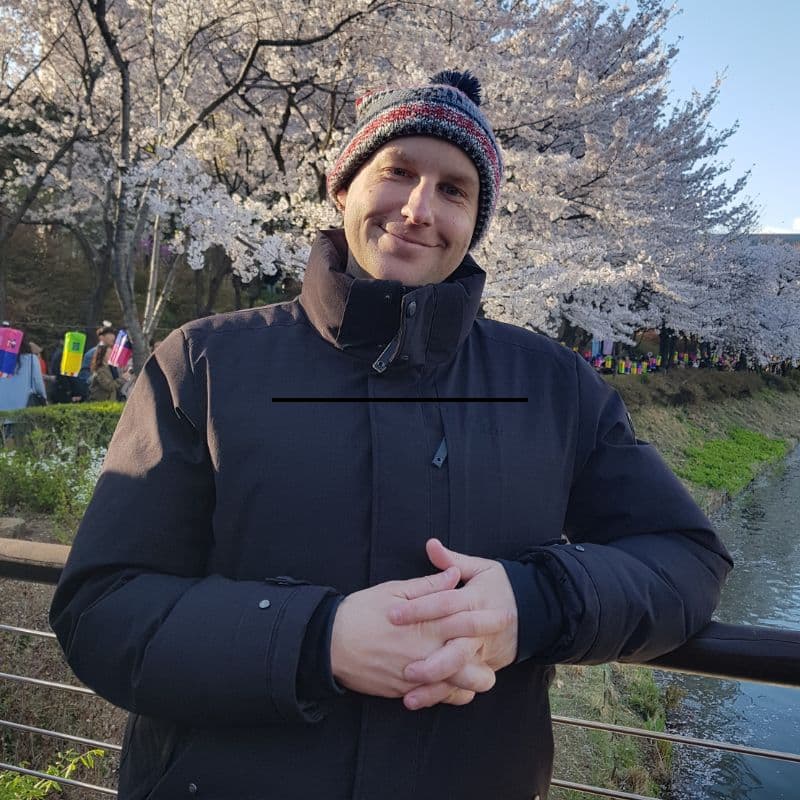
(49, 83)
(221, 119)
(760, 310)
(620, 194)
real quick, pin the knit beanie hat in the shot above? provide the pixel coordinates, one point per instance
(446, 108)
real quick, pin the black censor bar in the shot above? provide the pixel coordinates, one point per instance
(399, 399)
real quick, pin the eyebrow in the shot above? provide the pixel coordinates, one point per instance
(465, 179)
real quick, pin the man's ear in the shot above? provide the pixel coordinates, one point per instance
(341, 197)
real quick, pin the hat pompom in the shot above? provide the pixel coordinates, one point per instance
(465, 81)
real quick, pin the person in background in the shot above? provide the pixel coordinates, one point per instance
(37, 351)
(25, 385)
(66, 388)
(106, 334)
(48, 379)
(105, 381)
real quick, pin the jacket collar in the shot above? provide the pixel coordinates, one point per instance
(390, 324)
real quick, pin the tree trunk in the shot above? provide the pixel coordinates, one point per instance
(166, 292)
(3, 275)
(572, 335)
(121, 256)
(199, 293)
(153, 270)
(97, 298)
(218, 265)
(3, 286)
(100, 268)
(666, 339)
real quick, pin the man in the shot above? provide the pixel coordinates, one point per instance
(325, 556)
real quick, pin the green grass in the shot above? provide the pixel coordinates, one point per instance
(729, 464)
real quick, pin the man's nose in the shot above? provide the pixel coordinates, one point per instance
(418, 208)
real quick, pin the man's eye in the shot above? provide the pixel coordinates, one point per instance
(399, 171)
(453, 191)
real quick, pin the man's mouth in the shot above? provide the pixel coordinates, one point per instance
(408, 239)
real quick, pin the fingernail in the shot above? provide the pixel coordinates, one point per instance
(412, 702)
(394, 615)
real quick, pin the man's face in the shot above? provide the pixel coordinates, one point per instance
(410, 211)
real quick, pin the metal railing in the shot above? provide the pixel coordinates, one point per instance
(736, 652)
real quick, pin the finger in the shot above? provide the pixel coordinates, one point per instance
(442, 558)
(430, 695)
(474, 676)
(475, 624)
(460, 697)
(443, 663)
(428, 584)
(429, 607)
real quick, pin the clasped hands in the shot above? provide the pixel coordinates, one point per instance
(424, 639)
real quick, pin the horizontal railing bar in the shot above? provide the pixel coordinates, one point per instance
(40, 562)
(17, 726)
(678, 739)
(596, 790)
(49, 684)
(739, 652)
(58, 779)
(27, 631)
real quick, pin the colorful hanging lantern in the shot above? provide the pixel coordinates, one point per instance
(122, 351)
(72, 357)
(10, 343)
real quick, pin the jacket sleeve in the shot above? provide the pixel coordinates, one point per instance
(641, 569)
(139, 619)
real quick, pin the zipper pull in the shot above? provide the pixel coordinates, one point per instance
(387, 356)
(441, 455)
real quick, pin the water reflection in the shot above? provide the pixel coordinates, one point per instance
(759, 528)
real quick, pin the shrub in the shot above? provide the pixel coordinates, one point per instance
(87, 424)
(15, 786)
(56, 459)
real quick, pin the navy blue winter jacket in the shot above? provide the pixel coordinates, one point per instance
(227, 524)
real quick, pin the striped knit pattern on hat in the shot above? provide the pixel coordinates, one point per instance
(439, 109)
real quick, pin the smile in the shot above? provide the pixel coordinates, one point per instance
(408, 240)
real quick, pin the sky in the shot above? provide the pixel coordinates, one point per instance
(758, 45)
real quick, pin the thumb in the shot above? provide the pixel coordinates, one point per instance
(442, 557)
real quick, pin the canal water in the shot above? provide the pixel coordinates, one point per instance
(760, 529)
